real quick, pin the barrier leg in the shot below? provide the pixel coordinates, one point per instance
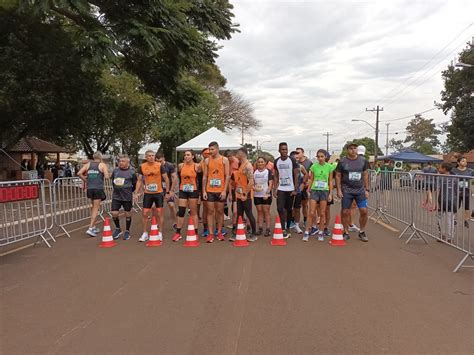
(65, 231)
(44, 240)
(460, 265)
(416, 235)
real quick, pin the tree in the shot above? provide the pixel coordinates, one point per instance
(458, 98)
(423, 135)
(237, 112)
(158, 41)
(396, 144)
(368, 143)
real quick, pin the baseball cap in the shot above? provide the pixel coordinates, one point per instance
(360, 150)
(351, 144)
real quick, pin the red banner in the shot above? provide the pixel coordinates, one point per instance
(18, 193)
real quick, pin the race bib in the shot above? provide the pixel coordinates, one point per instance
(259, 187)
(163, 185)
(463, 184)
(355, 176)
(118, 181)
(152, 187)
(321, 184)
(188, 188)
(215, 183)
(285, 181)
(239, 190)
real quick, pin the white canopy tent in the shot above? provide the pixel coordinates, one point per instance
(226, 140)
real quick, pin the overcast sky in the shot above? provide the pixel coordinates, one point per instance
(309, 67)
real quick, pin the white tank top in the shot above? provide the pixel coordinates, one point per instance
(285, 174)
(260, 183)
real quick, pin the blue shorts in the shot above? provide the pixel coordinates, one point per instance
(359, 198)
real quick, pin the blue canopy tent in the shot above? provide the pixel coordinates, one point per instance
(410, 156)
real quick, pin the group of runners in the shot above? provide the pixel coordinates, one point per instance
(217, 186)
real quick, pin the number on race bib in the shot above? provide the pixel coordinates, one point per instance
(188, 188)
(285, 181)
(355, 176)
(152, 187)
(215, 182)
(118, 181)
(259, 187)
(321, 184)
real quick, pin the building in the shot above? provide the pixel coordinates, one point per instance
(453, 157)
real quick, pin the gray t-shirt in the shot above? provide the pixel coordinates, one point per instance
(307, 164)
(95, 177)
(124, 182)
(429, 170)
(464, 183)
(352, 174)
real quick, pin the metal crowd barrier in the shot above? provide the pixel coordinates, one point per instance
(23, 211)
(434, 205)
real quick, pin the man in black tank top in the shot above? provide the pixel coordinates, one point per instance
(93, 174)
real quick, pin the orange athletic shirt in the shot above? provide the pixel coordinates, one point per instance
(215, 175)
(152, 176)
(241, 182)
(188, 177)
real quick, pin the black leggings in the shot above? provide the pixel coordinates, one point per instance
(246, 206)
(285, 204)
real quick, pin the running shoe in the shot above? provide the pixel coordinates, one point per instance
(346, 236)
(224, 231)
(220, 237)
(297, 228)
(232, 237)
(252, 238)
(327, 233)
(363, 237)
(226, 218)
(313, 231)
(320, 237)
(126, 235)
(305, 237)
(144, 237)
(116, 233)
(286, 234)
(268, 233)
(177, 236)
(292, 225)
(96, 230)
(259, 232)
(91, 232)
(353, 228)
(205, 233)
(210, 238)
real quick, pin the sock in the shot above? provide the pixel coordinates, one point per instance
(205, 226)
(196, 231)
(117, 222)
(305, 219)
(234, 227)
(178, 230)
(128, 221)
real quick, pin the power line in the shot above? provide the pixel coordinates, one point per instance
(410, 116)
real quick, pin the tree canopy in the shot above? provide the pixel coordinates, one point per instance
(368, 143)
(422, 135)
(458, 100)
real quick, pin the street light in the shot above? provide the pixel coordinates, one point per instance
(259, 146)
(464, 65)
(364, 122)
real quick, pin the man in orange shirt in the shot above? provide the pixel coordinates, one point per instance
(205, 231)
(151, 175)
(215, 183)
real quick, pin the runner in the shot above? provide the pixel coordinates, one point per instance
(243, 191)
(429, 169)
(303, 160)
(333, 161)
(385, 182)
(300, 190)
(352, 178)
(263, 179)
(124, 181)
(151, 175)
(232, 199)
(188, 192)
(215, 184)
(203, 218)
(447, 188)
(96, 171)
(464, 191)
(173, 178)
(284, 189)
(320, 182)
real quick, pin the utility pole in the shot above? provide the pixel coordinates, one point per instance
(377, 110)
(386, 141)
(327, 134)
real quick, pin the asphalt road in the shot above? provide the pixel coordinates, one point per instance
(381, 297)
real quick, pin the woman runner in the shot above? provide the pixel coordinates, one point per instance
(263, 179)
(188, 191)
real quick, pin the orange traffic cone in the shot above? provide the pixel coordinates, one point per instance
(240, 239)
(107, 240)
(277, 239)
(191, 237)
(337, 237)
(155, 236)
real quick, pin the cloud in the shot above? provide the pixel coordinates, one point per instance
(310, 67)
